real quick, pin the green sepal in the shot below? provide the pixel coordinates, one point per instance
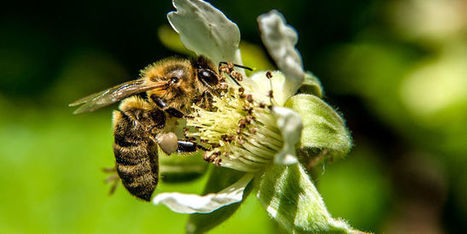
(324, 134)
(311, 85)
(181, 167)
(219, 178)
(292, 200)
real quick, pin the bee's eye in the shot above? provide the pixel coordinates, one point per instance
(174, 80)
(208, 76)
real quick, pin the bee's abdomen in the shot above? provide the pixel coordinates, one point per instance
(136, 157)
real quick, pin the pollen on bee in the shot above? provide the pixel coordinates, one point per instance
(168, 142)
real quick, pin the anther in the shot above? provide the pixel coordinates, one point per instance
(236, 75)
(252, 130)
(218, 161)
(230, 66)
(249, 98)
(206, 156)
(268, 75)
(223, 86)
(249, 119)
(241, 122)
(270, 94)
(247, 108)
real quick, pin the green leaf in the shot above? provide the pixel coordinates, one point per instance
(292, 200)
(324, 132)
(219, 178)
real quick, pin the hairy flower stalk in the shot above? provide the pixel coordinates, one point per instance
(242, 131)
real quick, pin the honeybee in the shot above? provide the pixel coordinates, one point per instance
(142, 124)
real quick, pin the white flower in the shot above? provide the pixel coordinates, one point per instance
(257, 128)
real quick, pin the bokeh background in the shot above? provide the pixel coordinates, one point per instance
(396, 70)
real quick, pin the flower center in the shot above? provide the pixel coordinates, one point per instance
(241, 131)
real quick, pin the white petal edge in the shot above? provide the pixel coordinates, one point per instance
(205, 30)
(280, 39)
(192, 203)
(290, 125)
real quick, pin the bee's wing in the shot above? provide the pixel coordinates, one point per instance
(114, 94)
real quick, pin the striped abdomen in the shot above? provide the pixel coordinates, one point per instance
(135, 152)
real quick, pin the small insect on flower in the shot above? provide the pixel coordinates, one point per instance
(142, 125)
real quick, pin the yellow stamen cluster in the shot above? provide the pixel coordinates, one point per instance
(242, 132)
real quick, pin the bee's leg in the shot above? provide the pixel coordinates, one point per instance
(170, 110)
(113, 178)
(174, 112)
(188, 146)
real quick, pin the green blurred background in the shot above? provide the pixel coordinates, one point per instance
(396, 70)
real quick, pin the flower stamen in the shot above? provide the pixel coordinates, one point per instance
(243, 133)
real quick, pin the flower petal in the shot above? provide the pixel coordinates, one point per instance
(205, 30)
(192, 203)
(219, 178)
(280, 40)
(290, 125)
(259, 86)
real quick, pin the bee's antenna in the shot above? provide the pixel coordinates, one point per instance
(236, 65)
(235, 80)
